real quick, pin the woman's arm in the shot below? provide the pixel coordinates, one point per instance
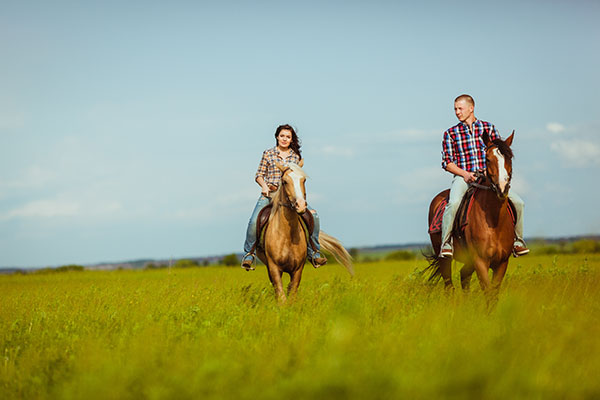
(264, 189)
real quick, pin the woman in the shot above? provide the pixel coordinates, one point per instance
(268, 177)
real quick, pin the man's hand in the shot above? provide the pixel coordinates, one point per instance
(469, 177)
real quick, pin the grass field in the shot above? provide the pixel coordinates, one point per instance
(217, 332)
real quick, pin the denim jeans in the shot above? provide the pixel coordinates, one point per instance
(457, 191)
(251, 230)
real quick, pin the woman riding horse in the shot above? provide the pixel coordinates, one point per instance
(268, 177)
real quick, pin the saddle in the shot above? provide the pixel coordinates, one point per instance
(306, 219)
(461, 219)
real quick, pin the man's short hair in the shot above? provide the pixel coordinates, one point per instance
(466, 98)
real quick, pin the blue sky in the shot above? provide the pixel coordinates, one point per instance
(133, 129)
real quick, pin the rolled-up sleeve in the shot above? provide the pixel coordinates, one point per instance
(447, 152)
(493, 133)
(262, 166)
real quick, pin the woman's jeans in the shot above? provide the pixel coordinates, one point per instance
(457, 191)
(251, 231)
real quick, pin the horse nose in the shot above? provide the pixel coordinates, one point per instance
(300, 206)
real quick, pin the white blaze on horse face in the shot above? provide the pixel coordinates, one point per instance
(503, 176)
(297, 179)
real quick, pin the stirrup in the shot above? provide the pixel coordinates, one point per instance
(446, 251)
(317, 261)
(247, 262)
(520, 249)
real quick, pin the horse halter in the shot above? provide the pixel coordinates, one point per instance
(289, 204)
(482, 178)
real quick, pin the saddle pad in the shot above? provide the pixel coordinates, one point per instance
(436, 222)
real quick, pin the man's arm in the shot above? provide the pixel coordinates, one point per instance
(456, 170)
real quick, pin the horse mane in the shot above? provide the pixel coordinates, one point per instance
(297, 169)
(504, 149)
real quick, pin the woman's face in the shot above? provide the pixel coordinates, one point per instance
(284, 138)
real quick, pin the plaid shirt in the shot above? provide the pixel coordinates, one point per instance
(465, 148)
(267, 168)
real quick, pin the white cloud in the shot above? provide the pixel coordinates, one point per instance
(555, 127)
(32, 176)
(577, 153)
(52, 208)
(44, 209)
(336, 151)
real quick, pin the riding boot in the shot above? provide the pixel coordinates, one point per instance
(247, 262)
(520, 248)
(313, 246)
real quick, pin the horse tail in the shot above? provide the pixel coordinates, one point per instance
(435, 274)
(333, 246)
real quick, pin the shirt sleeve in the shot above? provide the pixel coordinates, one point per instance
(262, 166)
(493, 133)
(447, 154)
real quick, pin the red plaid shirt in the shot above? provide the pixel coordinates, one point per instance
(267, 168)
(465, 148)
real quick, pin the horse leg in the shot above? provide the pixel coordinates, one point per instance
(466, 272)
(481, 267)
(295, 278)
(498, 276)
(275, 274)
(446, 272)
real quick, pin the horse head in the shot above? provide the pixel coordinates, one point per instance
(498, 157)
(292, 183)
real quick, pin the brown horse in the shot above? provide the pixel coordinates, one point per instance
(487, 240)
(285, 241)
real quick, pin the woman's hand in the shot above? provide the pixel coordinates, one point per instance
(264, 189)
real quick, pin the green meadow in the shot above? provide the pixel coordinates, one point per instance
(217, 332)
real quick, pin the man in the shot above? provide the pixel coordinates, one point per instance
(463, 153)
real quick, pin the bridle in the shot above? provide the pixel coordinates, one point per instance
(289, 203)
(481, 177)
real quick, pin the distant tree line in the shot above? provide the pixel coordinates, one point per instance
(583, 246)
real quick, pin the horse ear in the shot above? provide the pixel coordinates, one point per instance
(509, 139)
(301, 163)
(279, 165)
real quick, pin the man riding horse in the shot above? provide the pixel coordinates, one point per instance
(463, 155)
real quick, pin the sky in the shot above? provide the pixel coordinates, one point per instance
(133, 130)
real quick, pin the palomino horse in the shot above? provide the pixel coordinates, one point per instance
(284, 248)
(487, 241)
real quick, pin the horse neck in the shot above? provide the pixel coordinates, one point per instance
(281, 211)
(490, 204)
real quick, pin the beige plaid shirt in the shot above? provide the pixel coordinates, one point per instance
(267, 168)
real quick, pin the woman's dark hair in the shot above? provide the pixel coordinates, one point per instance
(295, 144)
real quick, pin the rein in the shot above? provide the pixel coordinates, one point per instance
(481, 178)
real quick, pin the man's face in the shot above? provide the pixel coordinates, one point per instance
(463, 110)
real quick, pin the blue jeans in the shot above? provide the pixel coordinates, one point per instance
(251, 230)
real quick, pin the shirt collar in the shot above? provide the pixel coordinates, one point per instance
(476, 122)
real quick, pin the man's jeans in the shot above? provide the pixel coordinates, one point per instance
(457, 191)
(251, 231)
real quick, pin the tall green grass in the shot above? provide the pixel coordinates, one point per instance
(218, 332)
